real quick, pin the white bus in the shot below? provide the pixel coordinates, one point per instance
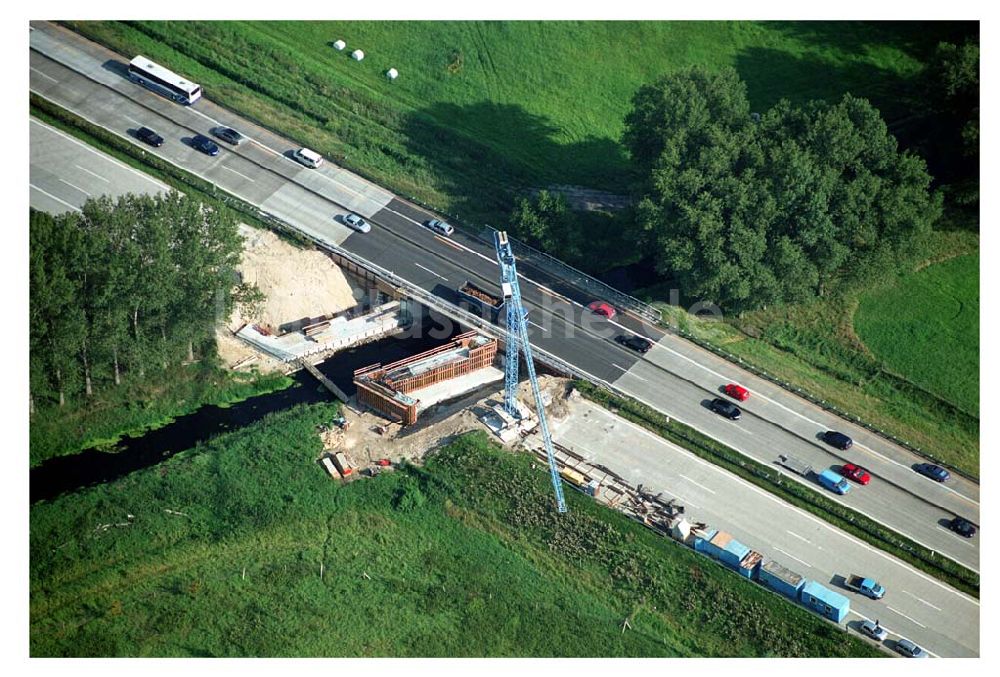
(163, 81)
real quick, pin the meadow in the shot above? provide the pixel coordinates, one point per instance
(244, 547)
(927, 327)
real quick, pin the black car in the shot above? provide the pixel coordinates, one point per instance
(204, 144)
(935, 472)
(962, 527)
(839, 440)
(726, 408)
(636, 343)
(149, 136)
(229, 135)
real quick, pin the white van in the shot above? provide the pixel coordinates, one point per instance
(308, 157)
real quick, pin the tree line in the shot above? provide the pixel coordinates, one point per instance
(749, 209)
(125, 287)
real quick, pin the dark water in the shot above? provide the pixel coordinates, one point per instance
(64, 474)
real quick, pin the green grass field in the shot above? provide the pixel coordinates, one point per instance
(465, 557)
(927, 327)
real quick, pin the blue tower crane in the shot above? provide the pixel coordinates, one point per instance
(517, 334)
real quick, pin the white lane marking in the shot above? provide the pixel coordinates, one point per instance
(267, 148)
(626, 371)
(44, 75)
(761, 396)
(696, 483)
(905, 616)
(793, 476)
(774, 499)
(239, 174)
(106, 158)
(430, 271)
(788, 554)
(535, 324)
(74, 187)
(923, 601)
(97, 176)
(801, 538)
(60, 200)
(887, 629)
(132, 120)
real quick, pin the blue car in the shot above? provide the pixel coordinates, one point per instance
(205, 145)
(935, 472)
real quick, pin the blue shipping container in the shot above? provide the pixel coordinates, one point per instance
(701, 542)
(725, 548)
(825, 602)
(780, 579)
(749, 565)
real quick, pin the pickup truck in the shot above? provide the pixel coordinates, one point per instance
(866, 586)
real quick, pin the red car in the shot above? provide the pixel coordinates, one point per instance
(856, 473)
(737, 392)
(602, 308)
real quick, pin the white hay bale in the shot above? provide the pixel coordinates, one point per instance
(339, 45)
(357, 55)
(392, 74)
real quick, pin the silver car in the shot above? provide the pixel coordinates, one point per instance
(873, 630)
(357, 223)
(905, 647)
(440, 227)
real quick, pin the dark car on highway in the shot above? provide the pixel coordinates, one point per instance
(935, 472)
(726, 408)
(905, 647)
(204, 144)
(149, 136)
(839, 440)
(229, 135)
(962, 527)
(636, 343)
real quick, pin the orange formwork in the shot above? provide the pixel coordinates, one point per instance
(385, 388)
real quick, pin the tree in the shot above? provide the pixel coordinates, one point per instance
(135, 283)
(951, 93)
(749, 212)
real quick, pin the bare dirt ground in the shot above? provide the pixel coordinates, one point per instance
(298, 283)
(437, 427)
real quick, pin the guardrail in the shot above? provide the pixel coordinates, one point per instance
(431, 301)
(592, 285)
(819, 402)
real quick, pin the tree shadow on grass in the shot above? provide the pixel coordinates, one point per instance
(773, 74)
(486, 154)
(917, 39)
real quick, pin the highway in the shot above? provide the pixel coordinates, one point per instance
(916, 607)
(675, 377)
(64, 172)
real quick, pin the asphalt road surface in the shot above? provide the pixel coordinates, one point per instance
(916, 606)
(675, 377)
(64, 172)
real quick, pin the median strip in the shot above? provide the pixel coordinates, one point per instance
(840, 516)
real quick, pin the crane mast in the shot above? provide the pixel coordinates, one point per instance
(517, 336)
